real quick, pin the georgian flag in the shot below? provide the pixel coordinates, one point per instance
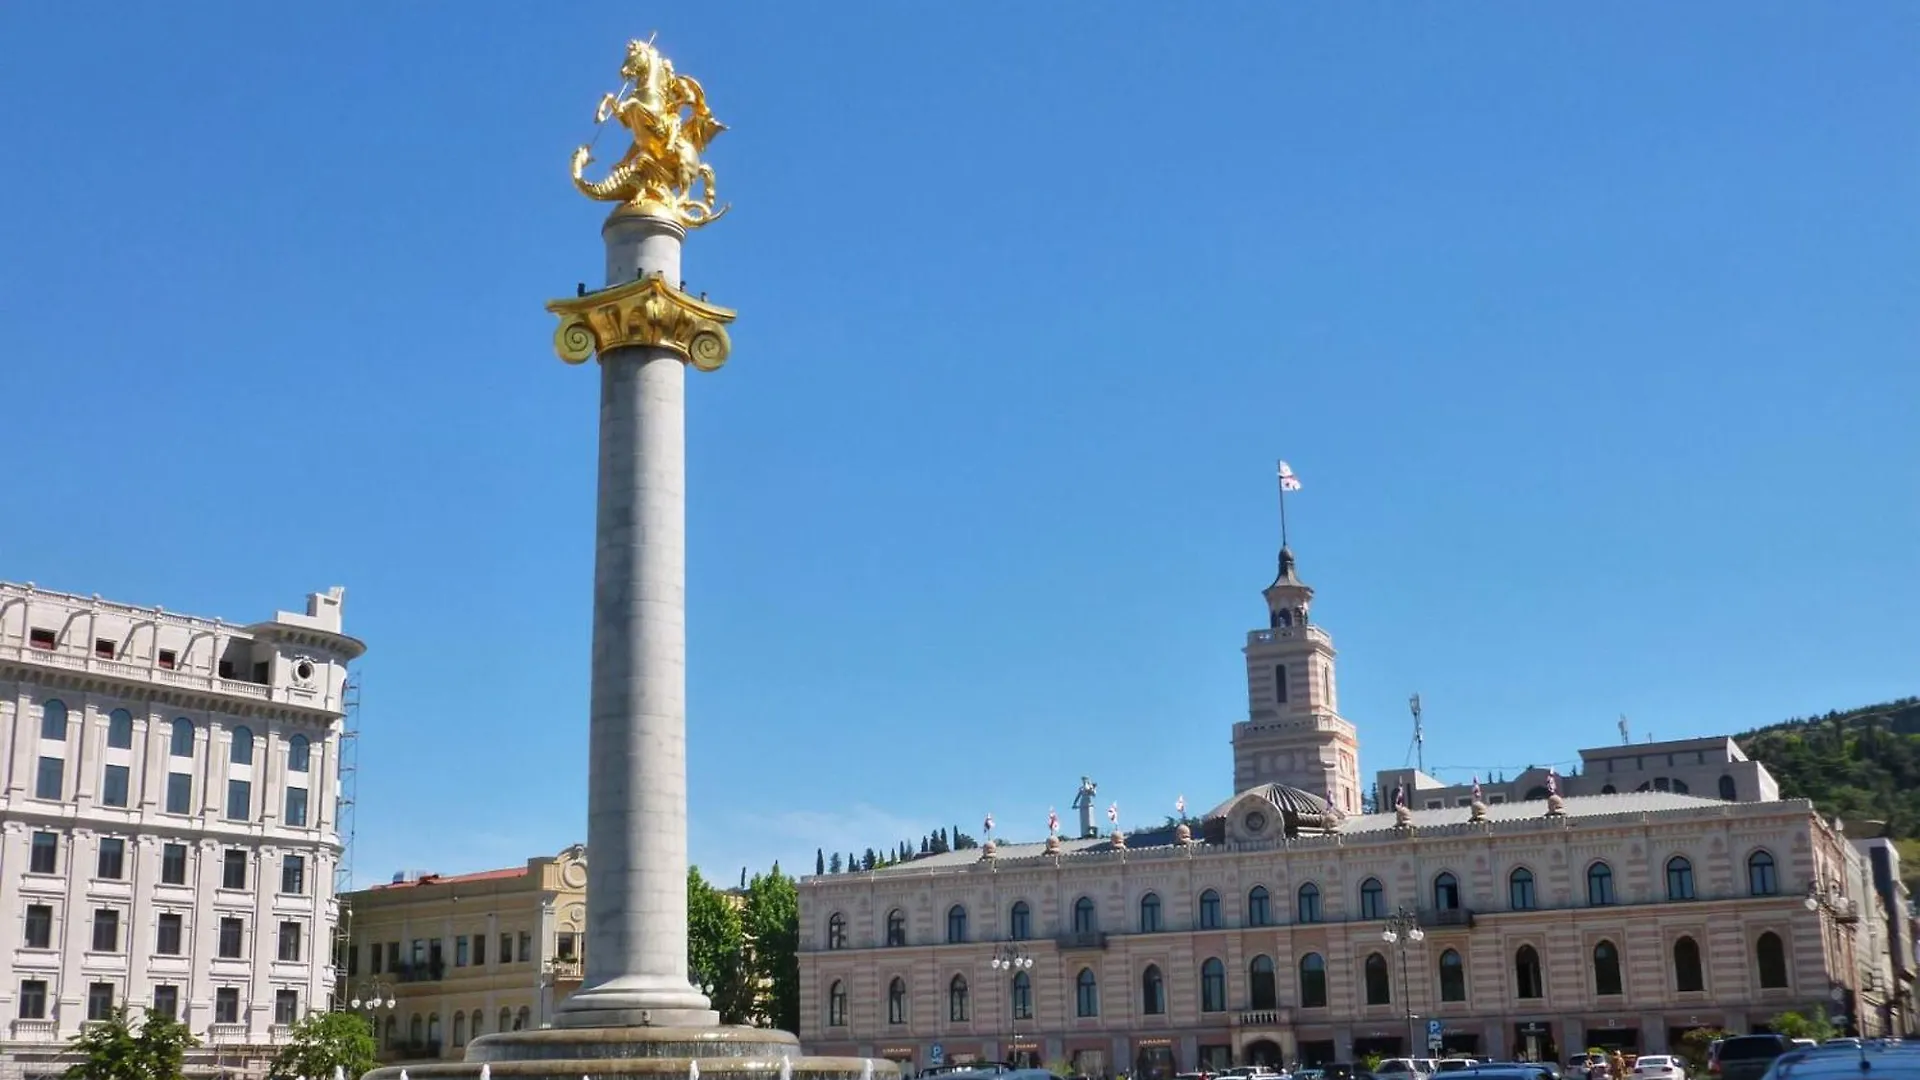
(1113, 813)
(989, 823)
(1288, 481)
(1399, 796)
(1053, 821)
(1553, 784)
(1180, 805)
(1476, 788)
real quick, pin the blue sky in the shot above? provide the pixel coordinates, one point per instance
(1593, 334)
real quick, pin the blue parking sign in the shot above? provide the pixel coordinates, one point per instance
(938, 1054)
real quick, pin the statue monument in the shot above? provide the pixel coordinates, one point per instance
(638, 1012)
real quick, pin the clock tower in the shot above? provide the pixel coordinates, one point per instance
(1294, 734)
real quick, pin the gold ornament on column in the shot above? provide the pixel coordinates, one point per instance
(665, 114)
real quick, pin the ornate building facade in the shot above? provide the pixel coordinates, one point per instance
(436, 961)
(168, 816)
(1547, 923)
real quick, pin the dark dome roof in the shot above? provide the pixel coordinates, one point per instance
(1298, 809)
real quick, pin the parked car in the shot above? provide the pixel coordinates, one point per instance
(1659, 1067)
(1748, 1057)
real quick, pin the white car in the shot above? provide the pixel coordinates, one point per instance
(1659, 1067)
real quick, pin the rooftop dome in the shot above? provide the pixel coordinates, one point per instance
(1299, 810)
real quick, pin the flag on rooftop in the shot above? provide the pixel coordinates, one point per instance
(1288, 481)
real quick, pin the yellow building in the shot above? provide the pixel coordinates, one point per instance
(435, 961)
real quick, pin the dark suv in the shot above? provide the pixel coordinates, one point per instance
(1747, 1057)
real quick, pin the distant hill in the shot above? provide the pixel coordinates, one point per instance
(1860, 764)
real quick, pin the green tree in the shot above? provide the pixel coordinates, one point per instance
(773, 924)
(715, 948)
(1796, 1025)
(1693, 1046)
(113, 1050)
(324, 1042)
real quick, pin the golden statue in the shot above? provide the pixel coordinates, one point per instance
(667, 116)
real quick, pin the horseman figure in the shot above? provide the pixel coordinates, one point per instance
(667, 117)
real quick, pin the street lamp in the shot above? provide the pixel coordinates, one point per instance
(1403, 930)
(1008, 961)
(374, 995)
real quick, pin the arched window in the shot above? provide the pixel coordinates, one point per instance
(1606, 969)
(897, 1001)
(1209, 910)
(299, 754)
(1609, 789)
(1313, 981)
(242, 753)
(1258, 909)
(1687, 976)
(956, 924)
(1150, 913)
(1022, 996)
(1084, 921)
(53, 720)
(521, 1018)
(897, 924)
(836, 931)
(1213, 986)
(1453, 977)
(1308, 906)
(957, 1006)
(1446, 893)
(1773, 961)
(506, 1020)
(1020, 921)
(416, 1030)
(1379, 989)
(1086, 994)
(1599, 884)
(1727, 789)
(393, 1029)
(1761, 880)
(182, 738)
(1373, 899)
(433, 1027)
(120, 730)
(1153, 992)
(478, 1025)
(1260, 988)
(459, 1029)
(837, 1004)
(1679, 878)
(1526, 974)
(1520, 890)
(1680, 787)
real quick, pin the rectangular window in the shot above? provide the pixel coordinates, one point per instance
(166, 1001)
(460, 951)
(373, 959)
(106, 930)
(436, 956)
(173, 864)
(113, 787)
(45, 858)
(417, 955)
(33, 999)
(290, 942)
(233, 872)
(103, 648)
(353, 959)
(526, 947)
(39, 638)
(232, 938)
(286, 1007)
(166, 938)
(506, 948)
(48, 784)
(179, 793)
(296, 806)
(293, 875)
(226, 1005)
(564, 946)
(479, 949)
(239, 800)
(39, 926)
(100, 1001)
(113, 858)
(1280, 684)
(168, 659)
(393, 957)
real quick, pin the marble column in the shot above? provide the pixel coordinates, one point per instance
(636, 949)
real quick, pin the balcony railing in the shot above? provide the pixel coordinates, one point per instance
(1086, 939)
(567, 968)
(226, 1033)
(35, 1030)
(1449, 917)
(1260, 1018)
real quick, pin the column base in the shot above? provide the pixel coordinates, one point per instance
(642, 1053)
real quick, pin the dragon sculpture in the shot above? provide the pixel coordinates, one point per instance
(667, 117)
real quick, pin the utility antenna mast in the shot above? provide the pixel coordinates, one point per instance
(1625, 737)
(1419, 735)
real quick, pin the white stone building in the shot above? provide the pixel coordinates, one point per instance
(169, 788)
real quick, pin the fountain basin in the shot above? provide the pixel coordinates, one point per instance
(653, 1053)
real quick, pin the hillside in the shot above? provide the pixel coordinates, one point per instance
(1861, 764)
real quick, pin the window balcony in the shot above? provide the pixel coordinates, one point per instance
(36, 1031)
(226, 1034)
(1265, 1018)
(1459, 917)
(1081, 940)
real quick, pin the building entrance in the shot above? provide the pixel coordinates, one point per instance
(1461, 1043)
(1263, 1052)
(1385, 1046)
(1154, 1063)
(1625, 1040)
(1533, 1041)
(1314, 1052)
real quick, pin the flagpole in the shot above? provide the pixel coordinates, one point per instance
(1281, 479)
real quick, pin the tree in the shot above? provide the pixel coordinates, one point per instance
(324, 1042)
(1800, 1026)
(1694, 1044)
(112, 1050)
(866, 860)
(834, 866)
(715, 947)
(819, 861)
(773, 924)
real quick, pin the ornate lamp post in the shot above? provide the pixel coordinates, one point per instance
(1830, 900)
(1403, 930)
(374, 995)
(1007, 962)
